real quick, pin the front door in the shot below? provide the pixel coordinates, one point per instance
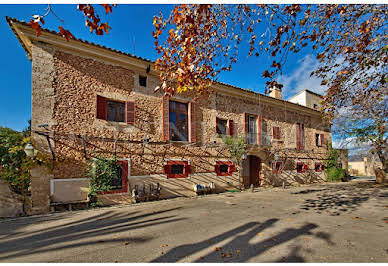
(254, 171)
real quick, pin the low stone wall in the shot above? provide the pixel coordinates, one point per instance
(11, 204)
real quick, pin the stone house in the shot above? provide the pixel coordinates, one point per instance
(89, 100)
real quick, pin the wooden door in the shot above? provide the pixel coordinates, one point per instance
(254, 171)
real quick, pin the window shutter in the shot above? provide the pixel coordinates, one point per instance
(322, 139)
(187, 169)
(167, 169)
(232, 168)
(276, 132)
(130, 112)
(217, 169)
(217, 122)
(124, 173)
(193, 122)
(231, 128)
(246, 127)
(101, 107)
(258, 130)
(166, 117)
(305, 167)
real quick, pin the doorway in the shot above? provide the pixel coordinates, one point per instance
(254, 172)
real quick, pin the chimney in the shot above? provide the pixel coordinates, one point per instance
(276, 92)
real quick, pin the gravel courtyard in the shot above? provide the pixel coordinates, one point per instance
(342, 222)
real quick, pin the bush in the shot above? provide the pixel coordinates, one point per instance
(15, 165)
(335, 174)
(101, 171)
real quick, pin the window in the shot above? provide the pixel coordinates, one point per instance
(251, 129)
(221, 126)
(299, 136)
(116, 111)
(277, 167)
(224, 168)
(276, 132)
(178, 121)
(301, 167)
(319, 138)
(177, 169)
(143, 81)
(318, 167)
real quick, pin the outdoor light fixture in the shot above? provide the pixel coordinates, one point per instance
(276, 157)
(30, 151)
(244, 156)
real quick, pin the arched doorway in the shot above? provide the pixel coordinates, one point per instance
(254, 172)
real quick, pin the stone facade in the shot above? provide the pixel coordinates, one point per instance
(65, 86)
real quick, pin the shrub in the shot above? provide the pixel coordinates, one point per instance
(101, 171)
(335, 174)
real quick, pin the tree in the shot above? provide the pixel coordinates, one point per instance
(15, 166)
(197, 42)
(236, 147)
(92, 20)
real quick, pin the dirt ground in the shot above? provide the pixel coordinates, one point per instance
(341, 222)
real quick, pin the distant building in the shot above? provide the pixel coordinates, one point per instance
(307, 98)
(366, 167)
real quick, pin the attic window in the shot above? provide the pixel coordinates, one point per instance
(143, 81)
(224, 168)
(177, 169)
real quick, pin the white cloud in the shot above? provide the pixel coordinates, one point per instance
(300, 78)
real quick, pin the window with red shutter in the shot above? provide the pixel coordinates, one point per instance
(318, 167)
(299, 167)
(177, 169)
(101, 107)
(231, 128)
(224, 168)
(221, 126)
(322, 139)
(276, 132)
(130, 112)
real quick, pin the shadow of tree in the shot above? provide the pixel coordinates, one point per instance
(71, 234)
(239, 248)
(337, 199)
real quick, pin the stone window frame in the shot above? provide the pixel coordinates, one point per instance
(187, 170)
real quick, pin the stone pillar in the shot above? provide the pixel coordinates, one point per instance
(40, 189)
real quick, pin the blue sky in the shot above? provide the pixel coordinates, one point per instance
(131, 32)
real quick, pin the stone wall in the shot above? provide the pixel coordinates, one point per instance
(71, 83)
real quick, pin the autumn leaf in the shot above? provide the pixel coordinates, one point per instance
(36, 26)
(108, 8)
(65, 33)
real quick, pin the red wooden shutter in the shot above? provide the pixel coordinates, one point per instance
(166, 117)
(246, 127)
(231, 128)
(193, 122)
(124, 175)
(101, 107)
(130, 112)
(217, 169)
(276, 132)
(258, 130)
(187, 169)
(232, 168)
(167, 169)
(322, 139)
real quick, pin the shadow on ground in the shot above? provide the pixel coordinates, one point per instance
(239, 248)
(79, 233)
(341, 198)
